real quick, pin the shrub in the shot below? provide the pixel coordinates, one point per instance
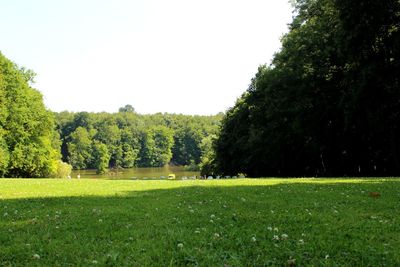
(63, 170)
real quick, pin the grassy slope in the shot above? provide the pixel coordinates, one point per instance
(206, 223)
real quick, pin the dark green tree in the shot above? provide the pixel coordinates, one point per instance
(328, 104)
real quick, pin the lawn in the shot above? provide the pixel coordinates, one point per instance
(241, 222)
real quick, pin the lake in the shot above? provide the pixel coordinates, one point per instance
(138, 173)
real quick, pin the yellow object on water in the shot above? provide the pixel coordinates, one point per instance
(171, 176)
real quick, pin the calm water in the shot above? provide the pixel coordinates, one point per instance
(138, 173)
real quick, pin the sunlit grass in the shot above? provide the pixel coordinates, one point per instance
(31, 188)
(238, 222)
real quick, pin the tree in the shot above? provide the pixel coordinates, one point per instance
(79, 148)
(101, 157)
(156, 146)
(130, 137)
(26, 127)
(127, 108)
(328, 104)
(109, 134)
(208, 164)
(186, 147)
(130, 140)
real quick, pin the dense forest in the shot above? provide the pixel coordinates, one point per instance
(127, 139)
(329, 104)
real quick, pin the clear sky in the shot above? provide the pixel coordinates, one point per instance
(177, 56)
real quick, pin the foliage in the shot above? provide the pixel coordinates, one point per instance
(80, 148)
(239, 222)
(328, 104)
(27, 144)
(101, 157)
(133, 139)
(156, 146)
(208, 162)
(63, 170)
(127, 108)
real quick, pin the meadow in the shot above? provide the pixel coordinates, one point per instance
(240, 222)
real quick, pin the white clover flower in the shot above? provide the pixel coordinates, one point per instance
(100, 220)
(191, 211)
(211, 221)
(276, 229)
(216, 235)
(301, 242)
(326, 256)
(36, 256)
(212, 216)
(275, 237)
(94, 261)
(180, 245)
(284, 236)
(291, 262)
(5, 214)
(243, 199)
(197, 232)
(269, 228)
(253, 239)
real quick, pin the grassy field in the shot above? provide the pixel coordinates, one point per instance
(243, 222)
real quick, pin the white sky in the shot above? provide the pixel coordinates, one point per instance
(177, 56)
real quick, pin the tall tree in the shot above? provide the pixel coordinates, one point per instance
(328, 104)
(26, 127)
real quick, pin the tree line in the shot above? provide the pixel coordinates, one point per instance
(35, 142)
(329, 103)
(127, 139)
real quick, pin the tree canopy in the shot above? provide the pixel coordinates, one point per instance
(29, 146)
(127, 139)
(329, 102)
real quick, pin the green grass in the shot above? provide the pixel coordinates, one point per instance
(244, 222)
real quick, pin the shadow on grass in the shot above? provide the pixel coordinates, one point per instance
(325, 224)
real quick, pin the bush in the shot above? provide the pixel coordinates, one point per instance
(63, 170)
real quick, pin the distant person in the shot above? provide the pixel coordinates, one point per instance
(69, 176)
(79, 176)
